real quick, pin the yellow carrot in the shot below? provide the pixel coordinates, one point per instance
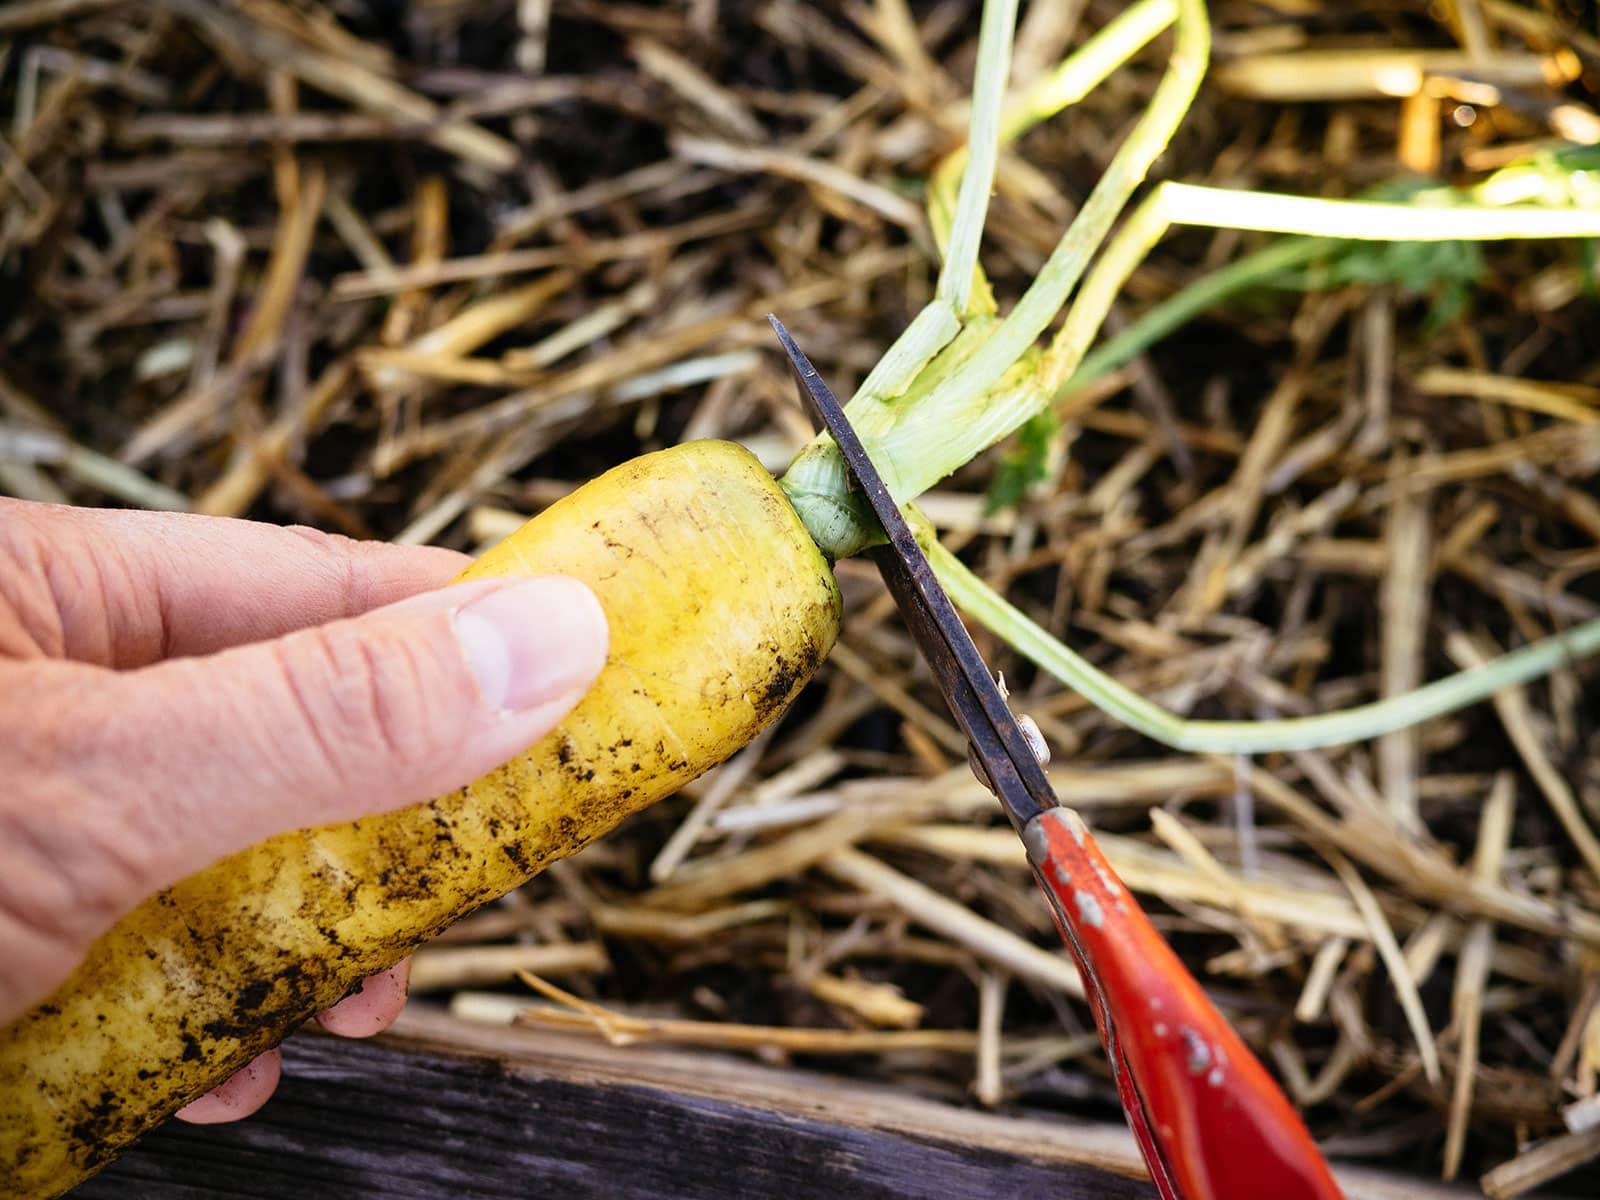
(720, 608)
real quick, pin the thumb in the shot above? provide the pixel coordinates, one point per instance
(209, 755)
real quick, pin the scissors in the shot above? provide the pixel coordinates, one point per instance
(1209, 1120)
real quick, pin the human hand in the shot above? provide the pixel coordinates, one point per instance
(175, 688)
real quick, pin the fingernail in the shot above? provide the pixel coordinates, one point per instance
(246, 1090)
(533, 642)
(372, 1005)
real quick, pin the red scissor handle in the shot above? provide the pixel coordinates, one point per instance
(1212, 1123)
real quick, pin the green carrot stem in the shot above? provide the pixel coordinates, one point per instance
(1443, 696)
(1070, 81)
(953, 423)
(931, 432)
(983, 149)
(1183, 306)
(1370, 220)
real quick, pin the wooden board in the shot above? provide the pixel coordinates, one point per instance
(438, 1108)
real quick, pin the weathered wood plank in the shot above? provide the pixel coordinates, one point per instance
(438, 1109)
(374, 1119)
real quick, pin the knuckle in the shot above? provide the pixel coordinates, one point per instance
(364, 575)
(31, 580)
(384, 704)
(308, 668)
(362, 697)
(343, 559)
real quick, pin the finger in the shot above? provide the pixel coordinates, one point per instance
(140, 778)
(372, 1007)
(245, 1091)
(126, 589)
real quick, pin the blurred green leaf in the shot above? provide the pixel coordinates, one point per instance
(1026, 463)
(1446, 273)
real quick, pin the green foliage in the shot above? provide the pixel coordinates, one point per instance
(1447, 273)
(1588, 266)
(1025, 464)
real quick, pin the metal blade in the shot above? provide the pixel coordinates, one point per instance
(998, 742)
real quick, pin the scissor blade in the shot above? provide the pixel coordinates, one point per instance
(997, 741)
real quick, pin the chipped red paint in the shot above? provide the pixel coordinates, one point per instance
(1212, 1124)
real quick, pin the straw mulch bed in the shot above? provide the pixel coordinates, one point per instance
(413, 270)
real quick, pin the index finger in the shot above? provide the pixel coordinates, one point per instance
(122, 588)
